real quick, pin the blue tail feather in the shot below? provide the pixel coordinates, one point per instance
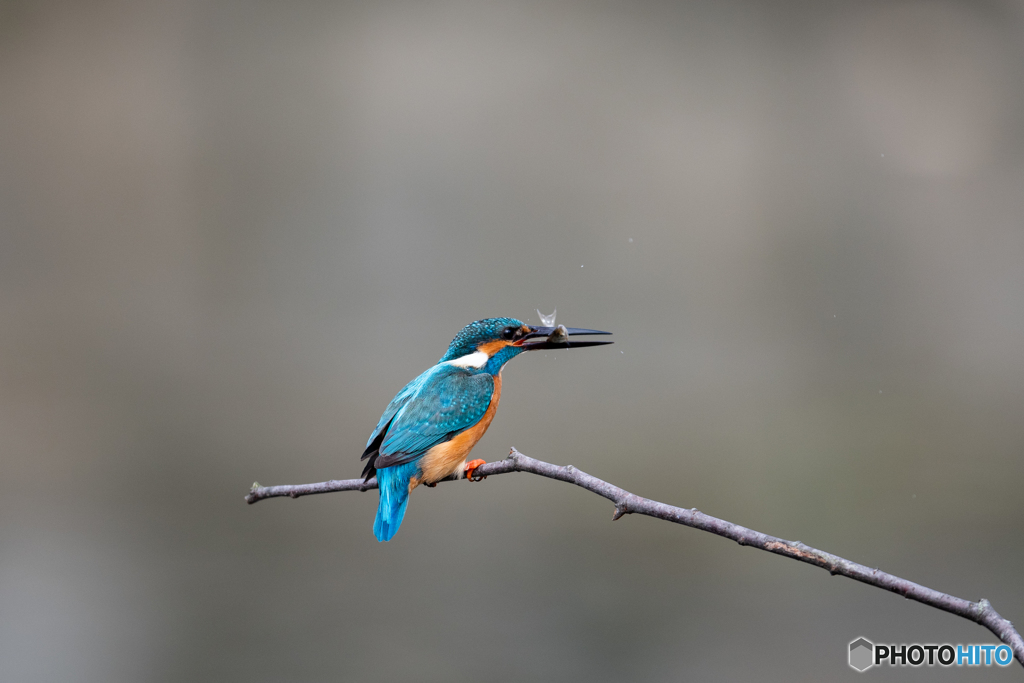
(393, 483)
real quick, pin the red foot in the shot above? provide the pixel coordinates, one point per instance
(471, 468)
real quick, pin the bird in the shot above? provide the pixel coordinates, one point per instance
(432, 424)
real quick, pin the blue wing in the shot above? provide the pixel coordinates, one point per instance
(400, 399)
(435, 407)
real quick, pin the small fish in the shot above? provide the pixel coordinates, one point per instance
(547, 320)
(559, 336)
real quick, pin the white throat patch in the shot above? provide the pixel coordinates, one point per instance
(477, 359)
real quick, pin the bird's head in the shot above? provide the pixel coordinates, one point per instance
(494, 341)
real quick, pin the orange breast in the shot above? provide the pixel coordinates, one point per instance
(448, 458)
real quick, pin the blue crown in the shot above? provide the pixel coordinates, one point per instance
(474, 334)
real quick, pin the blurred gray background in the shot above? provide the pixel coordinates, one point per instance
(231, 231)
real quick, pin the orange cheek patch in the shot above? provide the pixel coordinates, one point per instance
(492, 347)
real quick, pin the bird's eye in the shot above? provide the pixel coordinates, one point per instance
(508, 333)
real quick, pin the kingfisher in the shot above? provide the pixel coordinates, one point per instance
(429, 428)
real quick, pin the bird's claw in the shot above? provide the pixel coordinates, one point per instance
(471, 469)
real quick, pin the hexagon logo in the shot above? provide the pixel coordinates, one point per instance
(861, 654)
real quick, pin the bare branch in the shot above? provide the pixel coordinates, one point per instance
(626, 503)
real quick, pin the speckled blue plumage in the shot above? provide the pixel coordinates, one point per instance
(433, 408)
(437, 406)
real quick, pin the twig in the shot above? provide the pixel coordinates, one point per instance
(626, 503)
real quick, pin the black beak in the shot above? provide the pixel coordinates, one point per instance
(558, 338)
